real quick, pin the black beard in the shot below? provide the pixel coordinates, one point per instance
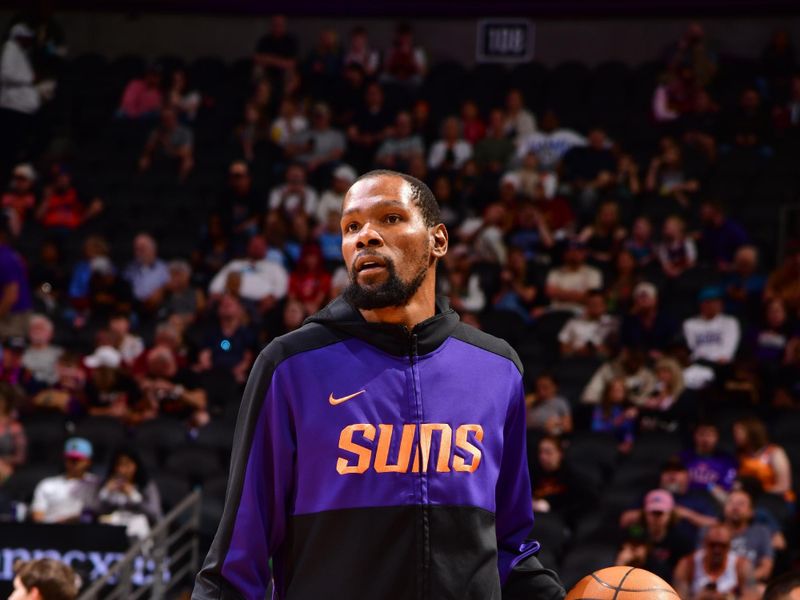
(392, 292)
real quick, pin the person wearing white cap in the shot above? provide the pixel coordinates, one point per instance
(332, 198)
(20, 198)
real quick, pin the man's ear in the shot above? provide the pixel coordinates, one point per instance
(440, 240)
(34, 594)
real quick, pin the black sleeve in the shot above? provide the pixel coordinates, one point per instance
(529, 580)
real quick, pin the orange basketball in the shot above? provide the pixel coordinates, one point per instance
(622, 583)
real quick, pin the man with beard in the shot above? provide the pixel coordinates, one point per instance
(380, 448)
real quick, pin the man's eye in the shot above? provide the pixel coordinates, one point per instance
(393, 219)
(351, 227)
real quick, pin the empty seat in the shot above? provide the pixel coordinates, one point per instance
(156, 439)
(196, 464)
(22, 483)
(595, 449)
(585, 559)
(654, 448)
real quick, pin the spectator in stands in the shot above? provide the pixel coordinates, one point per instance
(569, 284)
(676, 252)
(169, 142)
(640, 242)
(360, 53)
(518, 121)
(531, 177)
(310, 283)
(762, 460)
(20, 99)
(254, 279)
(669, 178)
(130, 345)
(749, 540)
(142, 98)
(620, 288)
(720, 237)
(784, 282)
(590, 169)
(616, 415)
(13, 442)
(110, 392)
(69, 497)
(787, 116)
(712, 336)
(451, 151)
(591, 333)
(15, 294)
(371, 125)
(227, 343)
(295, 196)
(714, 571)
(49, 278)
(239, 205)
(463, 286)
(550, 143)
(171, 391)
(547, 411)
(709, 467)
(630, 366)
(769, 342)
(109, 293)
(321, 147)
(694, 51)
(473, 128)
(558, 488)
(401, 145)
(181, 97)
(94, 246)
(147, 273)
(276, 51)
(519, 287)
(406, 63)
(12, 371)
(252, 133)
(744, 285)
(627, 182)
(669, 404)
(495, 150)
(67, 395)
(667, 543)
(41, 355)
(183, 302)
(44, 579)
(291, 122)
(748, 128)
(323, 65)
(604, 237)
(331, 199)
(61, 210)
(128, 496)
(20, 198)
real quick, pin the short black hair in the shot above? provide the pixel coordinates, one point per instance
(420, 192)
(780, 587)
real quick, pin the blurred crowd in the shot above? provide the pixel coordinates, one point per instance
(660, 336)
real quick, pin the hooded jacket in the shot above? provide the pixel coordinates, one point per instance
(371, 461)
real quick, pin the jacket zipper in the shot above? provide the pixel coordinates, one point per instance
(423, 582)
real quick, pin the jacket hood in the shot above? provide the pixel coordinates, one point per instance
(425, 337)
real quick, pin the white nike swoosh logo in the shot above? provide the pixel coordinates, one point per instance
(335, 401)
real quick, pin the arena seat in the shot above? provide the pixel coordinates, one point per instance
(551, 532)
(655, 448)
(593, 449)
(158, 438)
(22, 483)
(46, 434)
(587, 558)
(195, 464)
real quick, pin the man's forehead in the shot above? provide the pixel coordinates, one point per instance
(379, 189)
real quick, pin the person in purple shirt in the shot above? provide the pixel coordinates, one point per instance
(720, 236)
(709, 468)
(15, 293)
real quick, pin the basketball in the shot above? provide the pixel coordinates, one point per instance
(622, 583)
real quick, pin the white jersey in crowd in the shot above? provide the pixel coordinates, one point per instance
(550, 147)
(712, 339)
(17, 89)
(580, 331)
(725, 583)
(260, 279)
(58, 498)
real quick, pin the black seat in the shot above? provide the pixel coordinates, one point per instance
(655, 448)
(596, 449)
(46, 435)
(105, 433)
(22, 483)
(156, 439)
(585, 559)
(172, 489)
(194, 463)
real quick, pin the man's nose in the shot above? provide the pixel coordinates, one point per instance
(368, 236)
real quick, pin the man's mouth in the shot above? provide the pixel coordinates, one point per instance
(369, 263)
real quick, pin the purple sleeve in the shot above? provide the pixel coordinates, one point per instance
(514, 513)
(257, 501)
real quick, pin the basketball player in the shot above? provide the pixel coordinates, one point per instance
(44, 579)
(380, 448)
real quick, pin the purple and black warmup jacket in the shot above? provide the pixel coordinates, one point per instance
(375, 462)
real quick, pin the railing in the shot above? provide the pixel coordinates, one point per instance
(174, 540)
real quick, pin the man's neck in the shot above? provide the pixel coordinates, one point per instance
(421, 307)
